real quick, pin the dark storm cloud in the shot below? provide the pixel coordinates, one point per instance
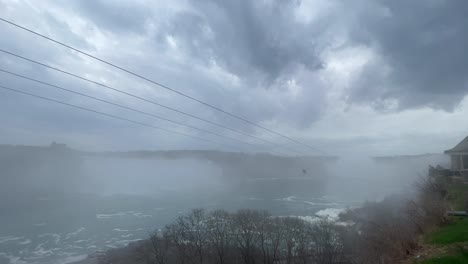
(282, 64)
(261, 43)
(422, 52)
(419, 44)
(252, 39)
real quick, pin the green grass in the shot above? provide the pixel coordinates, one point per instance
(460, 258)
(455, 232)
(457, 195)
(451, 233)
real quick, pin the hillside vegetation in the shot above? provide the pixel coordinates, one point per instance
(449, 243)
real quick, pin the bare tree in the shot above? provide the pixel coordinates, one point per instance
(194, 234)
(296, 240)
(245, 233)
(431, 199)
(219, 237)
(174, 233)
(270, 236)
(160, 246)
(327, 244)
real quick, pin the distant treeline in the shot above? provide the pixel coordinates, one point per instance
(213, 155)
(383, 232)
(407, 157)
(28, 169)
(57, 164)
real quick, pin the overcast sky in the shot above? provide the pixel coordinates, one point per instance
(366, 76)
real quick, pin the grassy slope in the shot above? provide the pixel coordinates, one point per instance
(460, 258)
(454, 236)
(455, 232)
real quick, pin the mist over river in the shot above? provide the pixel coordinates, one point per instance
(118, 200)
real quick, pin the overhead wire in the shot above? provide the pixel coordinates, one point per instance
(148, 101)
(114, 116)
(129, 108)
(160, 85)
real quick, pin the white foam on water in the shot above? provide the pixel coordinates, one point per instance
(330, 213)
(141, 215)
(25, 242)
(72, 259)
(106, 216)
(121, 230)
(127, 241)
(40, 251)
(326, 204)
(9, 238)
(74, 233)
(122, 214)
(288, 199)
(76, 247)
(126, 230)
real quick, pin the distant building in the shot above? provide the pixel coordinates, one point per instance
(459, 157)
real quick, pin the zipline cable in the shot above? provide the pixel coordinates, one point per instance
(160, 84)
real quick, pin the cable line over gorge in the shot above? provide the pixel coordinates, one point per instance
(149, 101)
(112, 116)
(128, 108)
(160, 85)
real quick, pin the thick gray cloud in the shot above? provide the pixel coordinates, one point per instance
(258, 43)
(256, 39)
(119, 16)
(317, 70)
(422, 52)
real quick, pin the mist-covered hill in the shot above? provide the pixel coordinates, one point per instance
(57, 168)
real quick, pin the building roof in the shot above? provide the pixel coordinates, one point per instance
(461, 147)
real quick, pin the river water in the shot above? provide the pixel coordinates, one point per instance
(120, 201)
